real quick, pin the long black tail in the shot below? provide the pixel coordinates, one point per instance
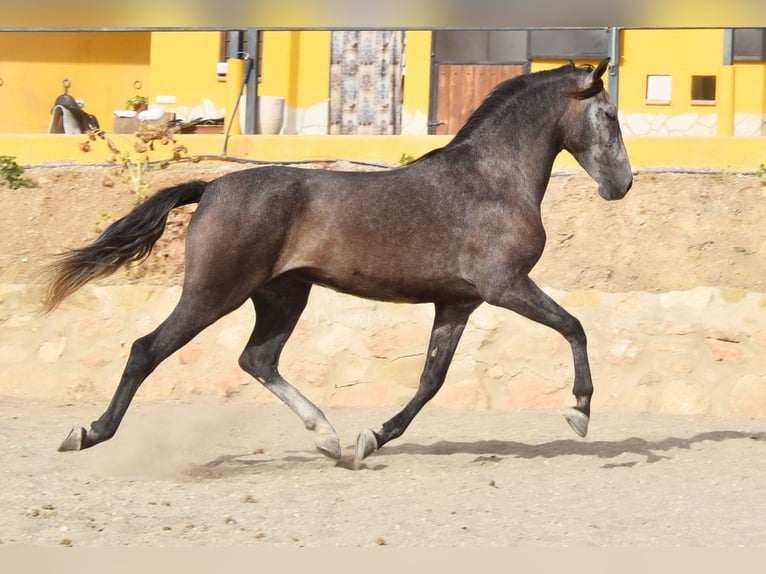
(126, 240)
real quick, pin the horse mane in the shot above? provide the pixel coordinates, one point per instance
(596, 87)
(507, 92)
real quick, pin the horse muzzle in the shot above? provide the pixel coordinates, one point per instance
(615, 191)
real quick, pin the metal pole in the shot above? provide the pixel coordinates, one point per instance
(251, 99)
(614, 65)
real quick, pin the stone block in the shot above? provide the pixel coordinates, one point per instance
(191, 353)
(683, 398)
(725, 350)
(468, 395)
(363, 394)
(624, 350)
(748, 396)
(529, 391)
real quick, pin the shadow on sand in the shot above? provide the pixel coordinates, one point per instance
(485, 451)
(598, 449)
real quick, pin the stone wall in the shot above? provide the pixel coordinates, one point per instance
(695, 352)
(691, 124)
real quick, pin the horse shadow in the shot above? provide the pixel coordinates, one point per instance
(485, 451)
(496, 450)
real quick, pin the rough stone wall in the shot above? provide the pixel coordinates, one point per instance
(694, 352)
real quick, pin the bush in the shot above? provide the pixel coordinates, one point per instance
(11, 172)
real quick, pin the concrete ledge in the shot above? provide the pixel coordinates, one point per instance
(694, 352)
(692, 153)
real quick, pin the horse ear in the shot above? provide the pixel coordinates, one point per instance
(571, 63)
(600, 69)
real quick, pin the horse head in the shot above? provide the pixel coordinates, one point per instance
(591, 133)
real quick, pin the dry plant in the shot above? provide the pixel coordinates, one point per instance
(132, 163)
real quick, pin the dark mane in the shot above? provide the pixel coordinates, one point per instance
(507, 93)
(595, 88)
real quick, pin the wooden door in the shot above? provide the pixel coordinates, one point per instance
(462, 87)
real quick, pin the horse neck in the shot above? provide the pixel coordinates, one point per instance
(524, 146)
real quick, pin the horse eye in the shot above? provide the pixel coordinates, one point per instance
(611, 115)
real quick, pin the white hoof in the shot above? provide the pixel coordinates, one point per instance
(578, 421)
(330, 447)
(366, 444)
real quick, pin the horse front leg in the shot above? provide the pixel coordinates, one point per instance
(525, 298)
(449, 322)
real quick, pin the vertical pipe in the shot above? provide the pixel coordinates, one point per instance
(725, 87)
(235, 75)
(251, 100)
(614, 65)
(728, 46)
(433, 96)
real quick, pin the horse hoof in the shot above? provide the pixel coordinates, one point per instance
(330, 447)
(74, 440)
(366, 444)
(578, 421)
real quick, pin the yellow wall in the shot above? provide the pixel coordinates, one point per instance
(277, 64)
(750, 87)
(102, 67)
(540, 65)
(310, 82)
(679, 53)
(417, 80)
(700, 153)
(183, 64)
(683, 54)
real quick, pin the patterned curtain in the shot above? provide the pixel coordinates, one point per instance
(366, 82)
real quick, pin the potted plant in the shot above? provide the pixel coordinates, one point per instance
(138, 103)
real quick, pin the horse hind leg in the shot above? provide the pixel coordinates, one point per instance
(449, 323)
(278, 307)
(146, 353)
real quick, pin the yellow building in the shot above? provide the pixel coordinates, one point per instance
(679, 82)
(179, 71)
(704, 83)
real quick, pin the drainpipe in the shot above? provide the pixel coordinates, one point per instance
(235, 76)
(613, 86)
(251, 99)
(725, 89)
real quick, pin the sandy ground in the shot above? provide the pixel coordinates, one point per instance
(671, 232)
(233, 474)
(213, 474)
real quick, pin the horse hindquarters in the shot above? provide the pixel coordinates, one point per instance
(217, 280)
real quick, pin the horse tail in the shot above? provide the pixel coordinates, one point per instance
(127, 240)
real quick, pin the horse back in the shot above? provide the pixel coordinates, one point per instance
(387, 234)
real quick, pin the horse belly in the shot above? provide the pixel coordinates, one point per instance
(396, 288)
